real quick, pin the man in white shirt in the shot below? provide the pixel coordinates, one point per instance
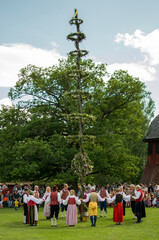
(64, 193)
(103, 205)
(25, 206)
(138, 199)
(93, 197)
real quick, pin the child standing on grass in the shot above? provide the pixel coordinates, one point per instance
(16, 203)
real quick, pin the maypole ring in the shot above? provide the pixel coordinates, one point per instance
(76, 36)
(76, 20)
(80, 53)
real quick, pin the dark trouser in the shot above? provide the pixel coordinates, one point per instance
(63, 207)
(25, 206)
(133, 206)
(139, 211)
(143, 210)
(103, 205)
(5, 204)
(38, 206)
(124, 203)
(25, 209)
(54, 209)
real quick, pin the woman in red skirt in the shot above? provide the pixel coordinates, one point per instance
(118, 207)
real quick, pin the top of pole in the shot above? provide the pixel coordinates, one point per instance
(75, 19)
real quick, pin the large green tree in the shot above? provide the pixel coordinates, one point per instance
(31, 147)
(33, 135)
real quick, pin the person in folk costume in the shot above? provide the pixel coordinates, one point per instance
(118, 207)
(46, 212)
(138, 199)
(93, 197)
(133, 203)
(36, 195)
(64, 194)
(32, 209)
(54, 200)
(85, 195)
(25, 206)
(103, 205)
(124, 196)
(71, 201)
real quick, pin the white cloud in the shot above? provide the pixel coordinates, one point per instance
(6, 102)
(147, 44)
(13, 57)
(139, 70)
(54, 44)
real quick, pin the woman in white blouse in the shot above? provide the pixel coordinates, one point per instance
(118, 206)
(72, 201)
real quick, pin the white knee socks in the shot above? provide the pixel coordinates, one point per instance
(51, 222)
(101, 213)
(55, 221)
(24, 219)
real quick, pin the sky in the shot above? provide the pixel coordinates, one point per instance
(122, 33)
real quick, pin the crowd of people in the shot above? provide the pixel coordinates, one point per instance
(117, 196)
(8, 198)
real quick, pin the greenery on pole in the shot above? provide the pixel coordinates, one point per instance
(81, 164)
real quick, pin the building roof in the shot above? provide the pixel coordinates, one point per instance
(153, 132)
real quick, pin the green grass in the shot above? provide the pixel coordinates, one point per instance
(11, 227)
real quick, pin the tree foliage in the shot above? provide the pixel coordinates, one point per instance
(33, 134)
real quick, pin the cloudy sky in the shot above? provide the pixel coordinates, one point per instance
(124, 34)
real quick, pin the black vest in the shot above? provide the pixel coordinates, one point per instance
(119, 198)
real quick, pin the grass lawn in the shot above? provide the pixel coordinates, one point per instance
(11, 227)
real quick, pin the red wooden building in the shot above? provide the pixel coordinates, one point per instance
(151, 172)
